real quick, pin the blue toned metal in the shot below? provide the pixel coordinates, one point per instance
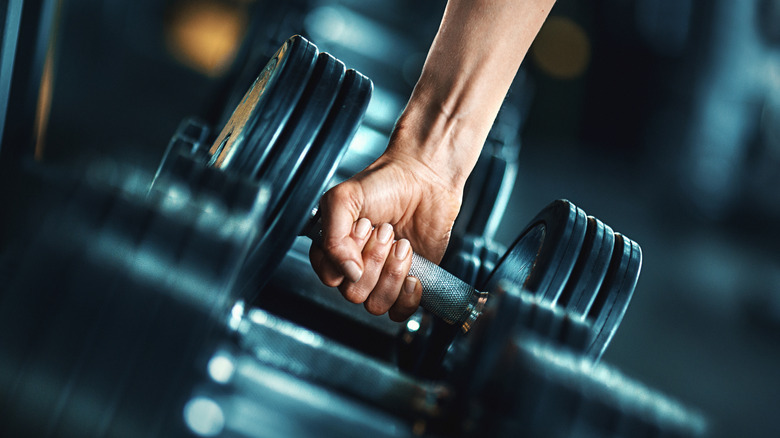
(12, 16)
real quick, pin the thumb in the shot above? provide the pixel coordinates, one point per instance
(341, 237)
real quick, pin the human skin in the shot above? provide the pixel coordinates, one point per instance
(410, 196)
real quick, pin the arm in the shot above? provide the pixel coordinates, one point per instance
(413, 191)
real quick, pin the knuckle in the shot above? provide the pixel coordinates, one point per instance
(375, 256)
(353, 294)
(342, 195)
(394, 272)
(374, 307)
(331, 246)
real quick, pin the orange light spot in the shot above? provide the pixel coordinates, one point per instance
(206, 34)
(562, 48)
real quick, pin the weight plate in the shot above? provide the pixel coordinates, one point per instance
(476, 261)
(590, 269)
(615, 293)
(542, 258)
(509, 313)
(309, 182)
(459, 259)
(247, 138)
(491, 253)
(597, 275)
(487, 194)
(299, 132)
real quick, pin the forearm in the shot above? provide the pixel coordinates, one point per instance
(470, 66)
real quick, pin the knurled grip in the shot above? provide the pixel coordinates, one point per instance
(443, 294)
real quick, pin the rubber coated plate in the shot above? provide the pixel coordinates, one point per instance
(615, 293)
(246, 140)
(487, 194)
(457, 260)
(590, 269)
(542, 258)
(488, 258)
(299, 132)
(598, 272)
(475, 245)
(310, 181)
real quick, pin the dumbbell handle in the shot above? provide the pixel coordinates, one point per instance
(443, 294)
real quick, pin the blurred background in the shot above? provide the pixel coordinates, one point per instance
(660, 117)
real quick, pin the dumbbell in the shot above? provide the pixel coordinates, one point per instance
(109, 327)
(289, 132)
(109, 305)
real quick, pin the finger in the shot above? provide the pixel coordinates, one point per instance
(338, 225)
(388, 287)
(327, 272)
(361, 231)
(408, 300)
(373, 256)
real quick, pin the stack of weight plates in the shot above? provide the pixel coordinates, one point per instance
(289, 132)
(577, 263)
(110, 304)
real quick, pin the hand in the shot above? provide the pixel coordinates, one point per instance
(413, 191)
(401, 198)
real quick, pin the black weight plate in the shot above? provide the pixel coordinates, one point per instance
(592, 284)
(310, 181)
(487, 195)
(474, 258)
(247, 138)
(298, 134)
(590, 269)
(458, 260)
(489, 256)
(542, 258)
(591, 233)
(612, 300)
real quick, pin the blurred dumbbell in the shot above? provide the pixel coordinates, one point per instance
(108, 306)
(118, 319)
(526, 374)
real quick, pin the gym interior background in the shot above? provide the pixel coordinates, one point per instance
(660, 117)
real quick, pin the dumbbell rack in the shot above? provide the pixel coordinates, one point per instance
(111, 315)
(132, 308)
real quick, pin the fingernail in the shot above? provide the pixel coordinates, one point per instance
(402, 248)
(351, 271)
(362, 228)
(384, 233)
(409, 285)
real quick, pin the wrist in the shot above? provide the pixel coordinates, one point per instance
(448, 143)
